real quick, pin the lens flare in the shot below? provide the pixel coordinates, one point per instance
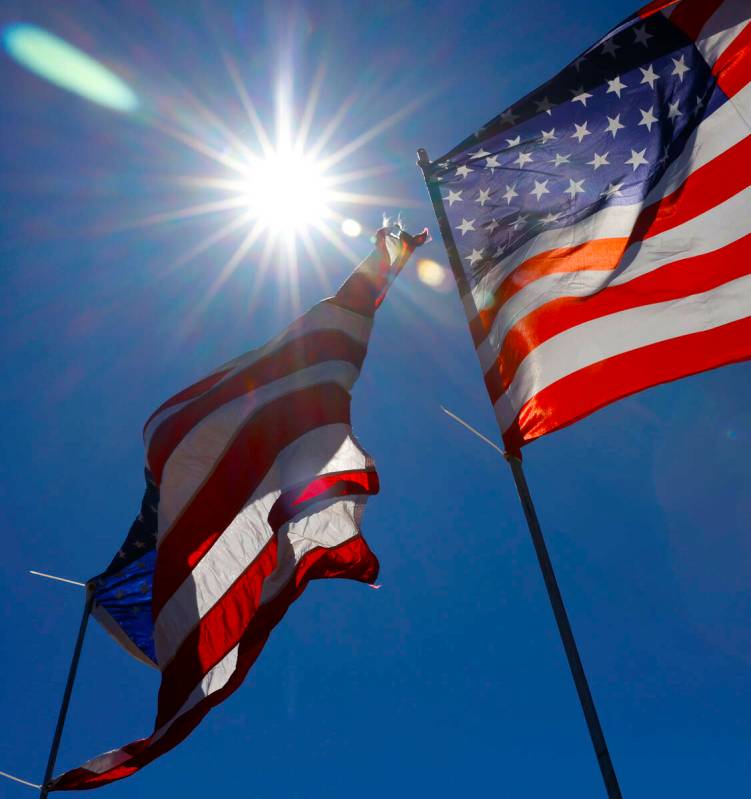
(53, 59)
(351, 228)
(431, 273)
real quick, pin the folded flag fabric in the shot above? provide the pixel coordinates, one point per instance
(600, 227)
(255, 486)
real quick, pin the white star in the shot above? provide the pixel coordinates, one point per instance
(649, 76)
(483, 196)
(610, 47)
(473, 257)
(637, 159)
(641, 36)
(546, 220)
(139, 545)
(454, 197)
(510, 194)
(514, 142)
(615, 86)
(680, 67)
(463, 171)
(580, 96)
(543, 105)
(491, 163)
(561, 159)
(579, 61)
(647, 118)
(509, 116)
(524, 158)
(665, 157)
(466, 226)
(599, 160)
(548, 135)
(674, 111)
(699, 103)
(613, 190)
(581, 132)
(541, 187)
(614, 125)
(519, 221)
(492, 225)
(574, 187)
(481, 153)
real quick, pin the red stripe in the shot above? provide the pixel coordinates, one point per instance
(713, 183)
(351, 559)
(733, 67)
(655, 6)
(308, 350)
(585, 391)
(341, 484)
(671, 282)
(219, 630)
(188, 393)
(214, 635)
(692, 15)
(237, 474)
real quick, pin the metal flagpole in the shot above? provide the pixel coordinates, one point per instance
(551, 584)
(68, 691)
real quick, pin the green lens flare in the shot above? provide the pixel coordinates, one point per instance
(66, 66)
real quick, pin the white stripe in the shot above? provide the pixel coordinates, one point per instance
(599, 339)
(722, 28)
(716, 134)
(323, 316)
(324, 450)
(712, 230)
(194, 458)
(332, 523)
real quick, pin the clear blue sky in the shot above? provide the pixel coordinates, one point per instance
(451, 679)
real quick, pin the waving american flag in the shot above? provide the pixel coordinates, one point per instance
(600, 227)
(255, 486)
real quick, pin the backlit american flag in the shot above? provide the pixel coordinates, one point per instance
(255, 485)
(599, 228)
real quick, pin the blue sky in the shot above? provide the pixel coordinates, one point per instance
(451, 678)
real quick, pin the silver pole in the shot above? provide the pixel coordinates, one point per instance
(551, 584)
(68, 691)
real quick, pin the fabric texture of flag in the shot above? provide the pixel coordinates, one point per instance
(255, 486)
(600, 227)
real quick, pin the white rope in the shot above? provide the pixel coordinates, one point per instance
(59, 579)
(472, 430)
(18, 779)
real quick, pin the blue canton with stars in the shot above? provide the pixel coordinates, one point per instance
(124, 590)
(601, 133)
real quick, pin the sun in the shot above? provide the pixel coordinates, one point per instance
(287, 192)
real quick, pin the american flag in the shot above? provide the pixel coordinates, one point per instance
(599, 228)
(255, 486)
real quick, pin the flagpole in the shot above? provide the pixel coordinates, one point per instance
(67, 693)
(543, 558)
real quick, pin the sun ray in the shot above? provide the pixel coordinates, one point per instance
(310, 108)
(337, 241)
(357, 174)
(209, 241)
(374, 131)
(185, 213)
(372, 199)
(247, 103)
(199, 146)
